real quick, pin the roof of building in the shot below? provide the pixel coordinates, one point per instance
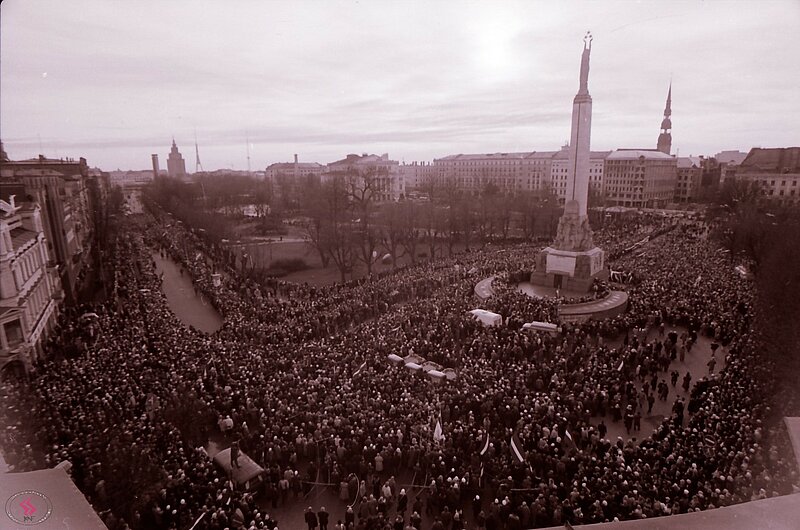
(777, 513)
(541, 154)
(45, 160)
(291, 165)
(30, 171)
(54, 491)
(67, 167)
(793, 428)
(730, 157)
(498, 156)
(685, 162)
(772, 160)
(488, 156)
(635, 154)
(21, 236)
(364, 159)
(593, 155)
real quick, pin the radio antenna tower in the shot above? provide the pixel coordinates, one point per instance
(247, 139)
(198, 166)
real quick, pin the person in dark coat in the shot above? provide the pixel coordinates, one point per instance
(311, 519)
(402, 502)
(322, 516)
(349, 517)
(235, 455)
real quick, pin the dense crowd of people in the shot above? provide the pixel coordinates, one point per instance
(299, 379)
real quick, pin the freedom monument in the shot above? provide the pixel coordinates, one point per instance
(572, 261)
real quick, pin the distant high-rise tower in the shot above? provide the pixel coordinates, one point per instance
(665, 138)
(198, 166)
(176, 165)
(156, 169)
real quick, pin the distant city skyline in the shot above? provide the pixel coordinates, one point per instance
(115, 82)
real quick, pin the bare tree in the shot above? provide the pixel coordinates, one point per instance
(363, 190)
(318, 217)
(392, 230)
(410, 234)
(523, 206)
(338, 232)
(739, 193)
(340, 237)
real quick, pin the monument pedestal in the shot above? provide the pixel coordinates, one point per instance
(569, 270)
(572, 262)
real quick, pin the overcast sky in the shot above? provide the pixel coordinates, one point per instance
(113, 81)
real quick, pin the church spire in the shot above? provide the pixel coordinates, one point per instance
(665, 138)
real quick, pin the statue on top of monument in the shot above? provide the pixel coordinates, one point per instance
(587, 47)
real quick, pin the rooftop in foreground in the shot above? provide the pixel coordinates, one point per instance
(777, 513)
(48, 489)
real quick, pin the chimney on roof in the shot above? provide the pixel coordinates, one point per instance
(295, 158)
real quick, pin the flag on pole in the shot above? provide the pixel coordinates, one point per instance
(516, 447)
(359, 369)
(485, 444)
(198, 520)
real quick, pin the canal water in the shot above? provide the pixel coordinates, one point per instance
(191, 307)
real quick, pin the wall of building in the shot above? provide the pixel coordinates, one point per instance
(28, 308)
(639, 179)
(386, 179)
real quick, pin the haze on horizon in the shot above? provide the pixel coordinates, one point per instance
(115, 81)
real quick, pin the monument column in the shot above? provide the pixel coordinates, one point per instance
(578, 167)
(573, 261)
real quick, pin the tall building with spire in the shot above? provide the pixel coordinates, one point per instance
(176, 165)
(665, 138)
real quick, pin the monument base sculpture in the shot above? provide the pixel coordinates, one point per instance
(572, 262)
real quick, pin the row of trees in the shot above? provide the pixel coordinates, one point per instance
(766, 235)
(347, 226)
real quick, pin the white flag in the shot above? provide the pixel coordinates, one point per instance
(359, 369)
(516, 447)
(485, 445)
(437, 432)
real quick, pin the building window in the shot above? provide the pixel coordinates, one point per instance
(13, 332)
